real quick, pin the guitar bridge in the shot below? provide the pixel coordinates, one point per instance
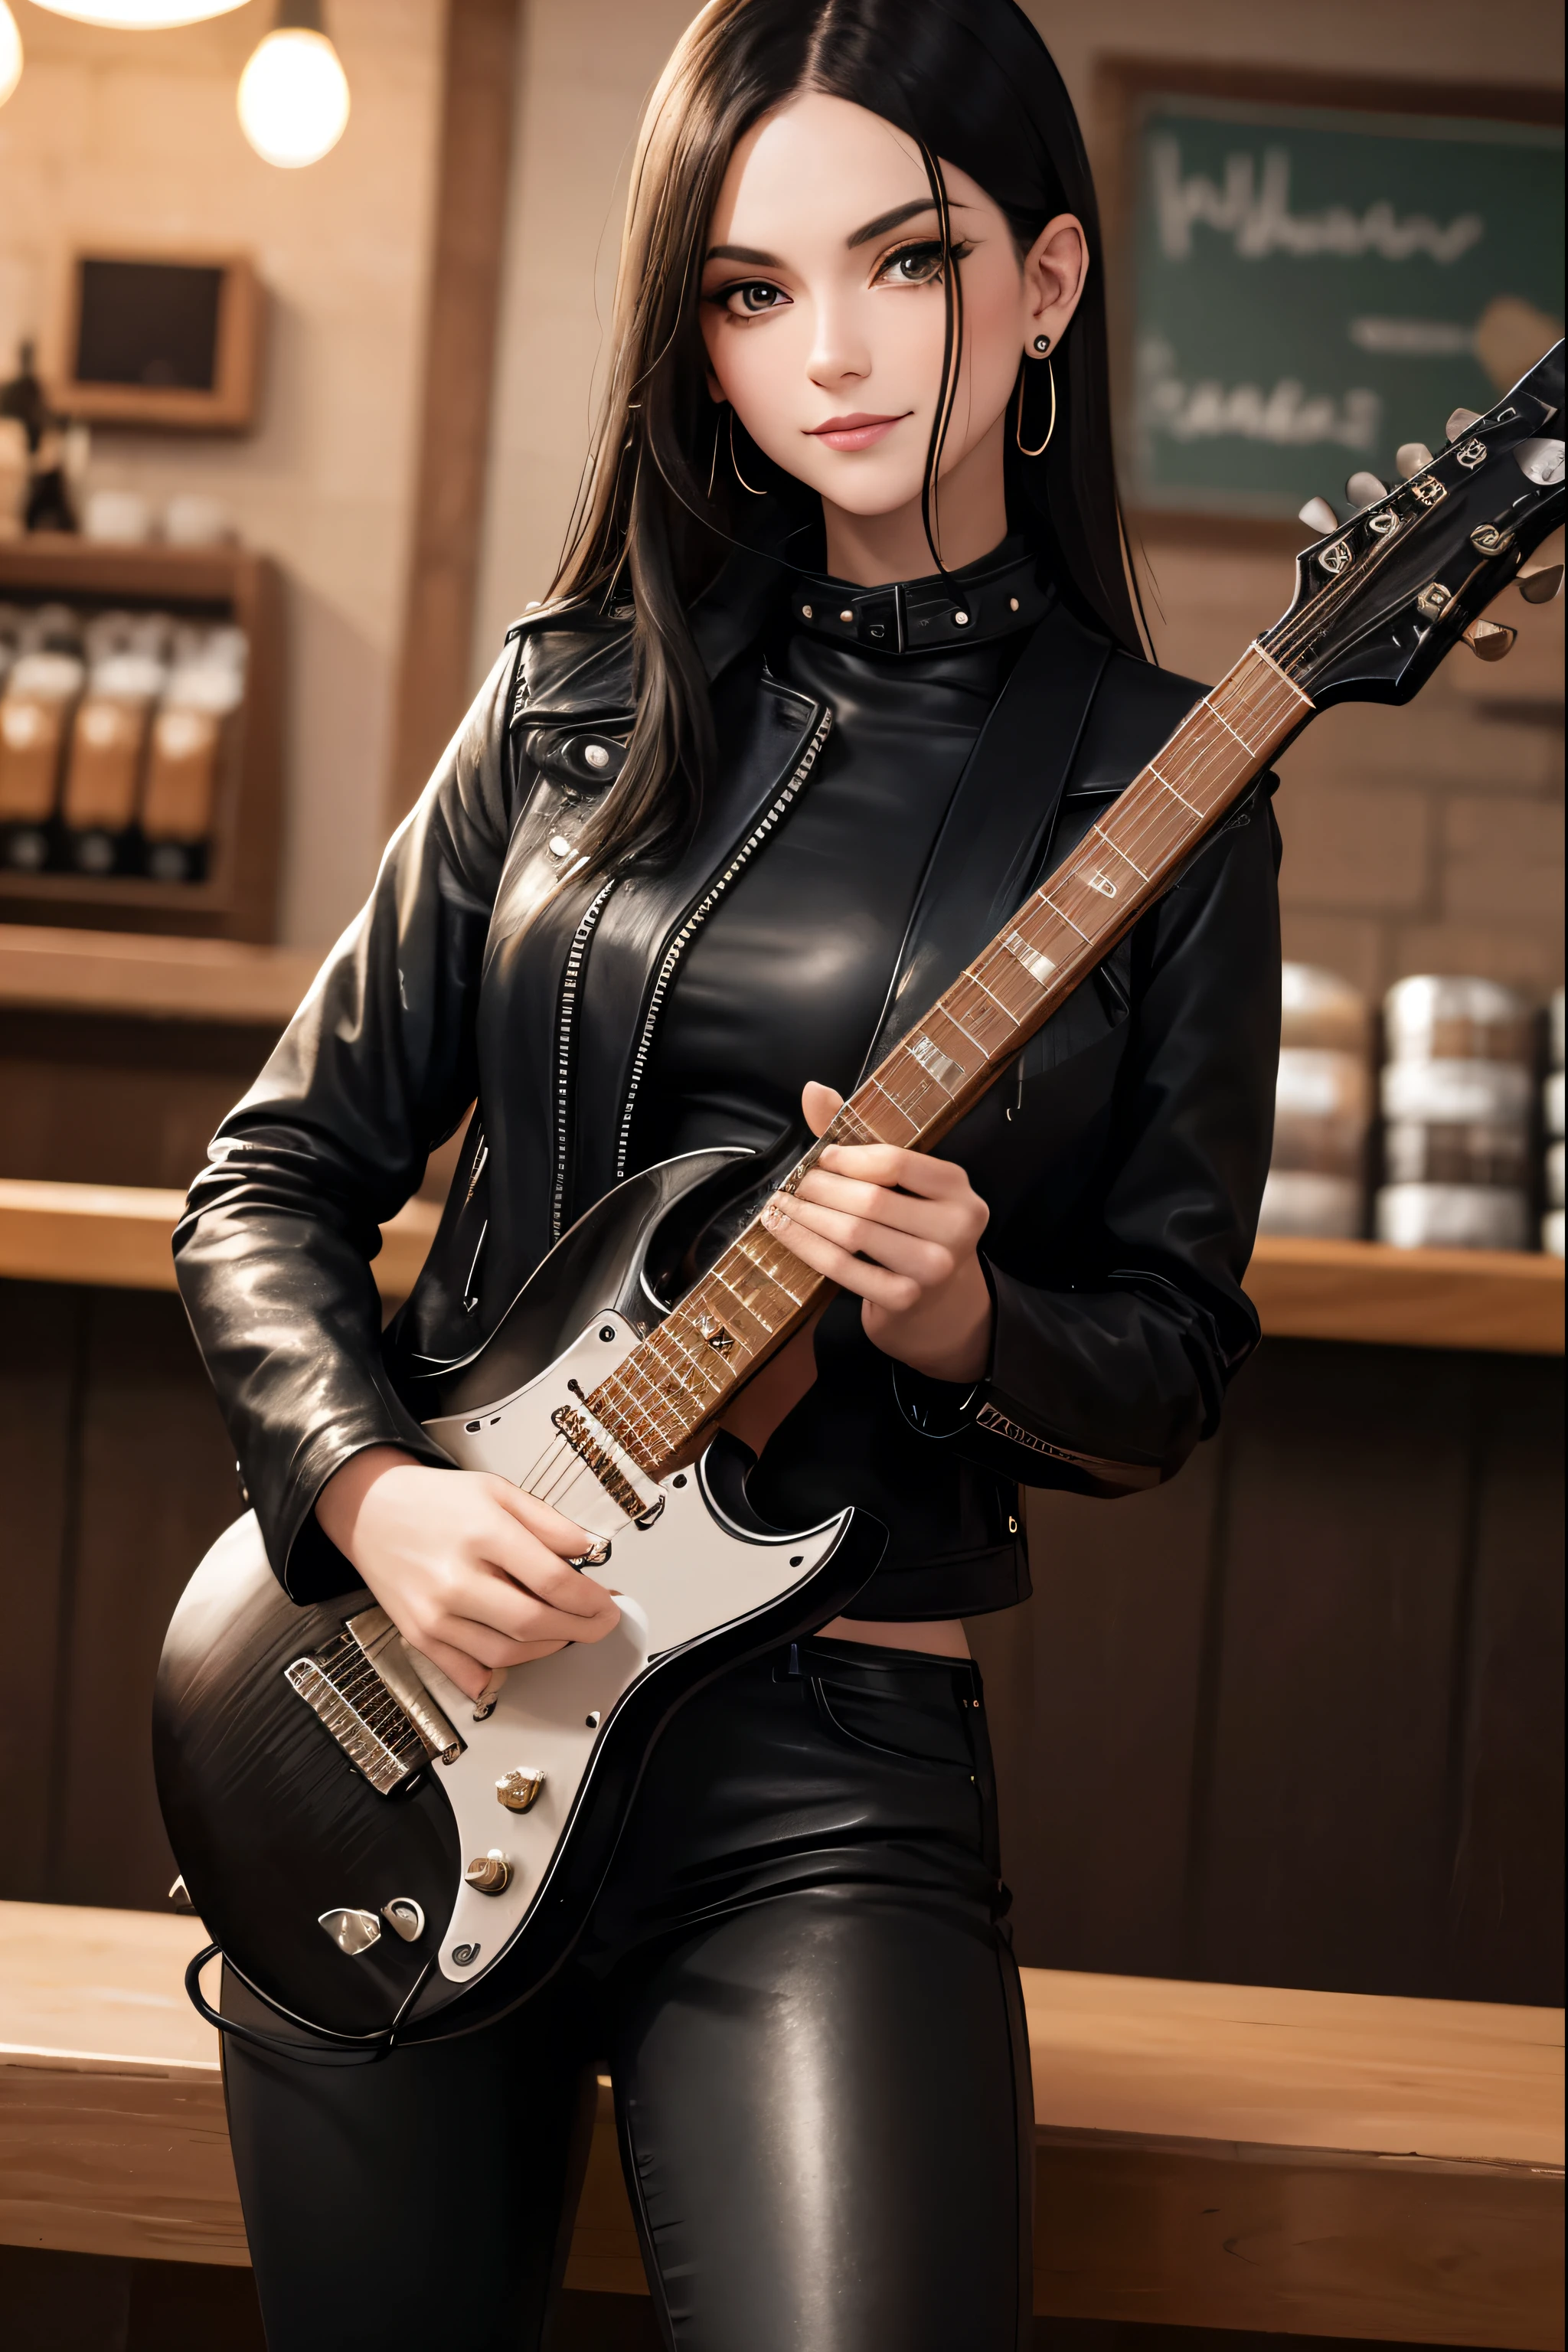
(363, 1688)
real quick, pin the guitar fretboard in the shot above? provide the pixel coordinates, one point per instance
(668, 1392)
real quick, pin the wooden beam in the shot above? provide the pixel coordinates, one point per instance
(472, 185)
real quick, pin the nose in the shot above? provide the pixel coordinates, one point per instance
(840, 353)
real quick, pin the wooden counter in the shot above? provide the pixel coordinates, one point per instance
(1213, 2156)
(117, 1234)
(149, 977)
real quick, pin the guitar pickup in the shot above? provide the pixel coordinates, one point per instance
(362, 1686)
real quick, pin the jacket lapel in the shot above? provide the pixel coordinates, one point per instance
(1000, 821)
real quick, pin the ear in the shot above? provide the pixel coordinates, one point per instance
(1056, 268)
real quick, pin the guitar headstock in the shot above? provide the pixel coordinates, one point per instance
(1382, 598)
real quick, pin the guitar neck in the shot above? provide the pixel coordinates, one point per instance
(664, 1397)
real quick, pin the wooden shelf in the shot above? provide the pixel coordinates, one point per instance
(1507, 1300)
(139, 975)
(117, 1234)
(1392, 2168)
(239, 899)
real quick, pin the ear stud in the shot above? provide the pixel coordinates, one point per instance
(1042, 344)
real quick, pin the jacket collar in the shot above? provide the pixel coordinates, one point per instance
(994, 598)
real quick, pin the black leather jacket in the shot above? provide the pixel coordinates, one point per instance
(1123, 1158)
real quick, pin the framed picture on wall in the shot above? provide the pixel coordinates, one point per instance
(1308, 272)
(167, 339)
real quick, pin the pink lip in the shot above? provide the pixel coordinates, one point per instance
(857, 432)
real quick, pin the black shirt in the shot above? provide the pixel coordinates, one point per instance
(788, 978)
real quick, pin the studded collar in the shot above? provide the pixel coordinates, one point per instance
(992, 598)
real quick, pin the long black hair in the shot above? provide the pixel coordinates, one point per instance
(971, 82)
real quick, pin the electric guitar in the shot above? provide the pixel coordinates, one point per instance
(379, 1858)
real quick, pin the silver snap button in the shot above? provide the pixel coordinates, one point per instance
(596, 756)
(1012, 604)
(806, 611)
(846, 616)
(960, 620)
(559, 845)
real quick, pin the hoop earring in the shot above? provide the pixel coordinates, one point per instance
(713, 462)
(1019, 421)
(739, 475)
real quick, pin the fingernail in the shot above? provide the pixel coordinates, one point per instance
(773, 1217)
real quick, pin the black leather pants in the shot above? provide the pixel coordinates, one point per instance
(797, 1977)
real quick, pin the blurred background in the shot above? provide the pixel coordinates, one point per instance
(302, 312)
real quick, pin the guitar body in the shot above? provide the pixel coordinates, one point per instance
(276, 1824)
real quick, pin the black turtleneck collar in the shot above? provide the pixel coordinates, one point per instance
(992, 598)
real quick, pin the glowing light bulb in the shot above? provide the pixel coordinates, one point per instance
(139, 16)
(293, 97)
(10, 53)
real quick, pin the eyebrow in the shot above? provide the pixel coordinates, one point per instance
(873, 228)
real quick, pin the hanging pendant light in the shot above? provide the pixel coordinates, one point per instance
(10, 53)
(139, 16)
(293, 94)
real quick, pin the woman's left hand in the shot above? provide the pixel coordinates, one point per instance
(899, 1230)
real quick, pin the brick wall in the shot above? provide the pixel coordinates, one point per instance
(1426, 839)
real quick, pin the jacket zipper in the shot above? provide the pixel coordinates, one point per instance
(693, 924)
(569, 982)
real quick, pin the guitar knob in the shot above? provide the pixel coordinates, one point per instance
(489, 1874)
(1491, 640)
(1365, 490)
(519, 1791)
(1461, 421)
(1318, 515)
(1539, 586)
(1410, 457)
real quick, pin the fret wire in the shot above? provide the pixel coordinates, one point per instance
(633, 1373)
(700, 1364)
(633, 1424)
(621, 1380)
(875, 1081)
(1120, 853)
(1067, 920)
(707, 1361)
(737, 1302)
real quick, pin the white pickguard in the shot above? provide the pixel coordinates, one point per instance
(688, 1574)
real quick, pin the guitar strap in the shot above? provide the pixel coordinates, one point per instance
(1000, 822)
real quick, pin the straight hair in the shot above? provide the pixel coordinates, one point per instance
(659, 508)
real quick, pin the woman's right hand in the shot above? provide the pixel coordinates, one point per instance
(471, 1570)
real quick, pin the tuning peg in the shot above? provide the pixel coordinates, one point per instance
(1461, 421)
(1410, 457)
(1318, 515)
(1539, 586)
(1490, 639)
(1365, 490)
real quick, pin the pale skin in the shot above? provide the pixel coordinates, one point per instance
(822, 317)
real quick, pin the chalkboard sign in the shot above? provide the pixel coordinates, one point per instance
(1312, 286)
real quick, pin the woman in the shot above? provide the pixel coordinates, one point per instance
(842, 659)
